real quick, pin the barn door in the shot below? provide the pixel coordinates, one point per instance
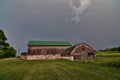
(84, 55)
(77, 57)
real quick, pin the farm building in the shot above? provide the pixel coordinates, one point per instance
(42, 50)
(80, 51)
(46, 49)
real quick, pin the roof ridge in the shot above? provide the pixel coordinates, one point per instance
(49, 43)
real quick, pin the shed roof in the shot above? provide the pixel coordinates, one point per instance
(49, 43)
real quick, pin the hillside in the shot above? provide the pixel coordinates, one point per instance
(97, 69)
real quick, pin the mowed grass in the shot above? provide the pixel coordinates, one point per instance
(96, 69)
(108, 54)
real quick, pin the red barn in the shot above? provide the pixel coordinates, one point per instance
(80, 51)
(42, 50)
(46, 49)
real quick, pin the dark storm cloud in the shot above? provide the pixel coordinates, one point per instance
(24, 20)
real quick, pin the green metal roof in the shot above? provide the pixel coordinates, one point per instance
(49, 43)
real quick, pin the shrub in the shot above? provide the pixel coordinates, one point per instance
(115, 63)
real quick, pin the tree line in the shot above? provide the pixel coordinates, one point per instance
(114, 49)
(6, 50)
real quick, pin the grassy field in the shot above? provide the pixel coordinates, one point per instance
(100, 68)
(108, 54)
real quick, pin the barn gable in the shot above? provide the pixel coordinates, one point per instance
(79, 48)
(80, 51)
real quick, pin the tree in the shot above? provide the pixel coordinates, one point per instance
(119, 49)
(10, 52)
(5, 49)
(3, 39)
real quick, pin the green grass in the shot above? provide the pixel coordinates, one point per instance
(97, 69)
(108, 54)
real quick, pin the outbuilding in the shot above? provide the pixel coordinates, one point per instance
(46, 49)
(43, 50)
(80, 51)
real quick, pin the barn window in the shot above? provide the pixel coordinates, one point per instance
(47, 51)
(40, 51)
(83, 49)
(29, 51)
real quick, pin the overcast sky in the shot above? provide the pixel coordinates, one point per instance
(96, 22)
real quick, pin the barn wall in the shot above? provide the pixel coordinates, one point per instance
(79, 49)
(47, 57)
(43, 57)
(67, 57)
(79, 56)
(81, 52)
(37, 47)
(43, 50)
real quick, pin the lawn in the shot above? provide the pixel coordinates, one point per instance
(108, 54)
(97, 69)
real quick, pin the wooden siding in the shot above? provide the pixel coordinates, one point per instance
(44, 50)
(77, 52)
(83, 51)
